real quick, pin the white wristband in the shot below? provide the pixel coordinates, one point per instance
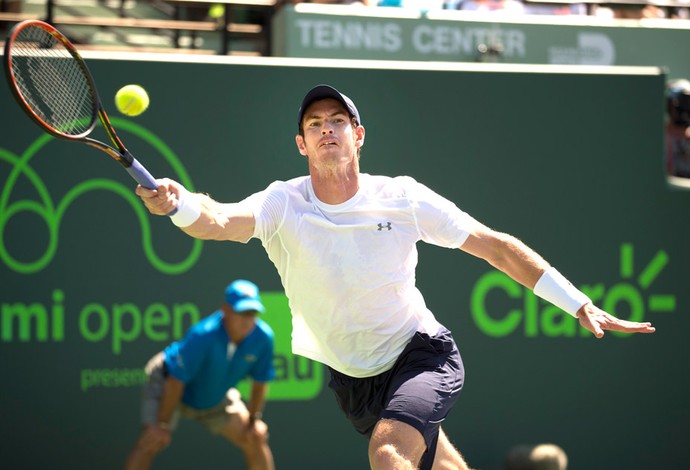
(188, 209)
(555, 288)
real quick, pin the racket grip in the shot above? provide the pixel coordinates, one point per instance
(142, 176)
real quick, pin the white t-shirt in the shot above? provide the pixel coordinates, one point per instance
(349, 269)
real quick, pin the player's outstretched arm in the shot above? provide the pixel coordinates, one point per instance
(522, 264)
(196, 214)
(596, 320)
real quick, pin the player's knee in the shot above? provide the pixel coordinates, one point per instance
(255, 443)
(387, 456)
(258, 439)
(395, 444)
(248, 441)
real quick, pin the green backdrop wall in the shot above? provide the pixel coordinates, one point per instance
(568, 161)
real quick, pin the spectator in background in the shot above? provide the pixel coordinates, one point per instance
(345, 2)
(679, 13)
(539, 457)
(505, 6)
(195, 378)
(370, 3)
(419, 4)
(11, 6)
(628, 11)
(678, 128)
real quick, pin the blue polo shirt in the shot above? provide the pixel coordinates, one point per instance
(209, 363)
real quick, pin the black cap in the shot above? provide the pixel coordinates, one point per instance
(320, 92)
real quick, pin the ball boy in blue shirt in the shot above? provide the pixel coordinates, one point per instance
(196, 376)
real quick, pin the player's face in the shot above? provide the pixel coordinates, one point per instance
(329, 137)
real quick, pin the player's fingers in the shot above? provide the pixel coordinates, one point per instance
(592, 324)
(145, 192)
(160, 203)
(646, 328)
(632, 327)
(600, 321)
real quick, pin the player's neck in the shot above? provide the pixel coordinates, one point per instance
(335, 185)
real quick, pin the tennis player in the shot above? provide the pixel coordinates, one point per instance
(344, 243)
(195, 378)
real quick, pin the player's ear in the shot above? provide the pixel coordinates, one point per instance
(359, 136)
(299, 140)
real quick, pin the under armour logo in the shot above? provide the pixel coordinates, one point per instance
(387, 226)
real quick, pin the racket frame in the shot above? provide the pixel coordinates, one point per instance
(118, 151)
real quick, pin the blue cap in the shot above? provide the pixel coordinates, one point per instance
(243, 295)
(321, 92)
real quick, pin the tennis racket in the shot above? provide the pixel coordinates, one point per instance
(53, 85)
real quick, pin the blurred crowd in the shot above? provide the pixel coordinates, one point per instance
(636, 9)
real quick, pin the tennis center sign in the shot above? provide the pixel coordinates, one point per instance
(314, 31)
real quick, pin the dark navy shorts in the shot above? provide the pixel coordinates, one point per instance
(419, 390)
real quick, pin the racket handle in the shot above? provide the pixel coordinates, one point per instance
(142, 176)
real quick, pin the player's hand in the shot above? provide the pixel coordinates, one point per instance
(596, 320)
(162, 200)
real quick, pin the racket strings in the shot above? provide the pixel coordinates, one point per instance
(53, 82)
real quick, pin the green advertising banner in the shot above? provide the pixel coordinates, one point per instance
(337, 32)
(565, 158)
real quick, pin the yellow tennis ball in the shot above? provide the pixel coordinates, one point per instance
(131, 100)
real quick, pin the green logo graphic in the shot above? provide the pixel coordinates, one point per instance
(500, 306)
(120, 325)
(52, 212)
